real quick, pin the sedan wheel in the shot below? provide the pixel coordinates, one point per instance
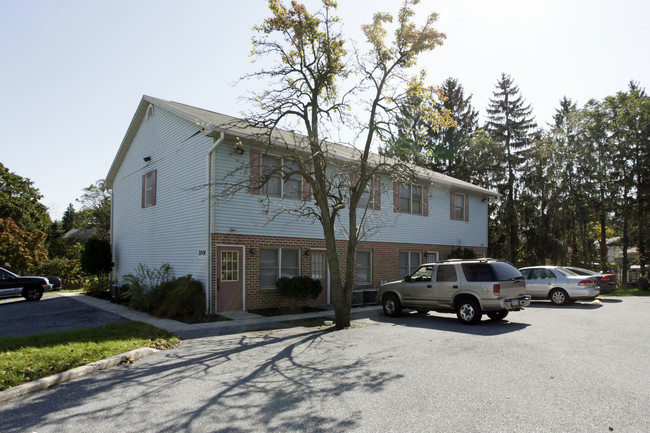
(392, 306)
(559, 297)
(468, 312)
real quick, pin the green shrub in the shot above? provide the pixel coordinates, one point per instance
(462, 253)
(143, 282)
(99, 285)
(68, 270)
(182, 296)
(157, 291)
(96, 257)
(299, 289)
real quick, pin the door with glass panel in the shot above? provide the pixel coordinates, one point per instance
(319, 272)
(230, 287)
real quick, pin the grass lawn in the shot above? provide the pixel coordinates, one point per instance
(625, 290)
(23, 359)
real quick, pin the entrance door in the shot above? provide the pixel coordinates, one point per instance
(230, 287)
(319, 272)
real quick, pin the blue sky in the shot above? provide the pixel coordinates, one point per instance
(73, 71)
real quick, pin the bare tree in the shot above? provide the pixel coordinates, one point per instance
(310, 92)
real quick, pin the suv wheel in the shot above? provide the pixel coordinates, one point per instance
(468, 312)
(498, 315)
(392, 306)
(32, 293)
(559, 297)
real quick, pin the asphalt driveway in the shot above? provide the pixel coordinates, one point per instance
(52, 313)
(546, 369)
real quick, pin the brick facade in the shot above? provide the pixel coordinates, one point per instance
(385, 261)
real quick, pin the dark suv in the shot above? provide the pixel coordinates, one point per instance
(30, 288)
(467, 287)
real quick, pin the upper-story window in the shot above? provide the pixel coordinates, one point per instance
(459, 206)
(410, 199)
(150, 111)
(371, 195)
(149, 187)
(277, 176)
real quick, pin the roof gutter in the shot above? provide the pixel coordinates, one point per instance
(210, 177)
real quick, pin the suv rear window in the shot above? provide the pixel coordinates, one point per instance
(477, 272)
(505, 271)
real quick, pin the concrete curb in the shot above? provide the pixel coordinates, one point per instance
(65, 376)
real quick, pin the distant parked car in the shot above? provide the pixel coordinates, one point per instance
(559, 284)
(469, 288)
(606, 282)
(56, 282)
(30, 288)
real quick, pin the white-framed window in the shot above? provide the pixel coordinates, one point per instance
(230, 266)
(433, 256)
(410, 199)
(150, 111)
(276, 263)
(364, 268)
(409, 261)
(318, 265)
(149, 187)
(459, 206)
(281, 177)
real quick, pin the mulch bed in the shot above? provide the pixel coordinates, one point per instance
(283, 311)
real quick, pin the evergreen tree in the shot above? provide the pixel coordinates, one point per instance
(68, 220)
(448, 145)
(511, 124)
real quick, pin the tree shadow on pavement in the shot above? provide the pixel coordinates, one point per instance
(449, 323)
(272, 381)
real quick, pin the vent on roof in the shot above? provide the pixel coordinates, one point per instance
(149, 111)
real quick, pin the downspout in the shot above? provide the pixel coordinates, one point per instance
(210, 175)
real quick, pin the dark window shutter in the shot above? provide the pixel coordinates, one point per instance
(144, 182)
(396, 196)
(155, 187)
(425, 200)
(453, 206)
(466, 207)
(377, 193)
(255, 171)
(306, 186)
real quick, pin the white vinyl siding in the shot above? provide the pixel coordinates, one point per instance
(174, 230)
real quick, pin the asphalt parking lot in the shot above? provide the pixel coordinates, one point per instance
(52, 313)
(576, 368)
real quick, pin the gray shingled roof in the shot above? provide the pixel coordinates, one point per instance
(217, 123)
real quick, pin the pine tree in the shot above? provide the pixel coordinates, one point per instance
(448, 145)
(68, 219)
(510, 123)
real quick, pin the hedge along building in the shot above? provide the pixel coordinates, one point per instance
(185, 191)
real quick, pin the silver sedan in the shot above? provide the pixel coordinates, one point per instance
(559, 284)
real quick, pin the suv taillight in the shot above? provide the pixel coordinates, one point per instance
(496, 289)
